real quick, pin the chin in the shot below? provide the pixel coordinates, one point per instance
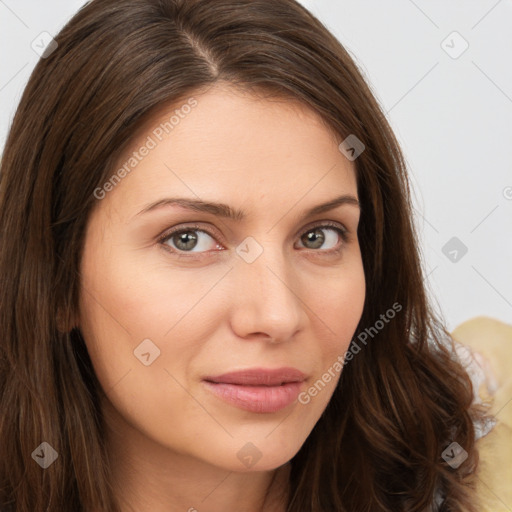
(258, 454)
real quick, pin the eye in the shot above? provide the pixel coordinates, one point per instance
(195, 240)
(325, 237)
(190, 239)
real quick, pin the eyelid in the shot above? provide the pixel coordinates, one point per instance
(324, 224)
(342, 230)
(183, 228)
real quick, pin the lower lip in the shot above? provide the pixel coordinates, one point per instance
(261, 399)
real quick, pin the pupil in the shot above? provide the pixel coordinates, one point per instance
(186, 240)
(317, 237)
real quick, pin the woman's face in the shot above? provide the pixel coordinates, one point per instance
(271, 297)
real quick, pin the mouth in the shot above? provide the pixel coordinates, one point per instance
(257, 390)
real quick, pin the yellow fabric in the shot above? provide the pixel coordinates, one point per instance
(491, 341)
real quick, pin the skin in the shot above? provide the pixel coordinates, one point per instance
(173, 444)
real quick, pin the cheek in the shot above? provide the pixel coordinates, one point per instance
(126, 300)
(129, 309)
(340, 305)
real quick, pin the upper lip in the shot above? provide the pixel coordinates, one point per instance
(259, 377)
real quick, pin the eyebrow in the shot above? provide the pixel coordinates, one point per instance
(226, 211)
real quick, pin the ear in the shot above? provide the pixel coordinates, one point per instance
(64, 323)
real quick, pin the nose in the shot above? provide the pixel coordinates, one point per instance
(267, 300)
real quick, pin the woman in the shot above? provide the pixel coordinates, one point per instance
(213, 297)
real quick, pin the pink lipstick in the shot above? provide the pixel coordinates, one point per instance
(258, 390)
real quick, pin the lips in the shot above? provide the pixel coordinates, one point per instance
(259, 377)
(257, 390)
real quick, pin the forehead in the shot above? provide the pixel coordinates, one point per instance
(228, 145)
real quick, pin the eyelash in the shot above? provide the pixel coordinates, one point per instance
(342, 231)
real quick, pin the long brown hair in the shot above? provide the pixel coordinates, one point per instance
(401, 400)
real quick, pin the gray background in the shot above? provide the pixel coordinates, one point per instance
(451, 111)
